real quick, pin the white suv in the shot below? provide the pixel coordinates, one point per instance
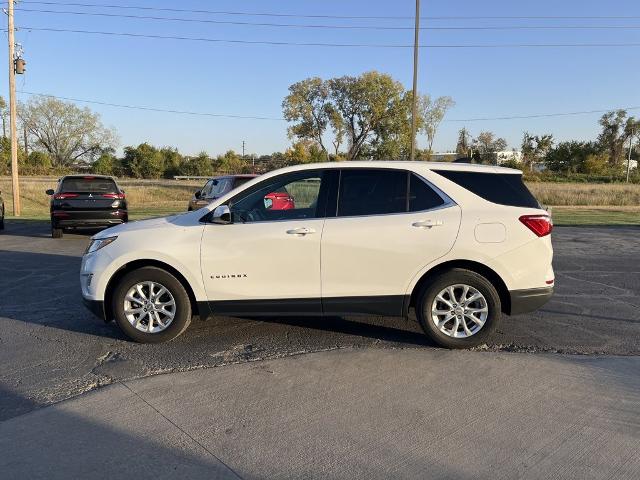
(462, 244)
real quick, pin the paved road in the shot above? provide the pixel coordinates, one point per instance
(347, 414)
(52, 349)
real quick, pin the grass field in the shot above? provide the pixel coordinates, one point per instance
(571, 203)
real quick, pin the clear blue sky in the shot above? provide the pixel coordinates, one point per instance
(253, 79)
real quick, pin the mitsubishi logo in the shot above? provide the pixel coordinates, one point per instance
(90, 196)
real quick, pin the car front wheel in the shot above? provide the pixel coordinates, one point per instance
(458, 309)
(151, 306)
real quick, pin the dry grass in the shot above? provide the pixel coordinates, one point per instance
(587, 194)
(156, 197)
(152, 197)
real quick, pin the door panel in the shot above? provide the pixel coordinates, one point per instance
(379, 255)
(244, 266)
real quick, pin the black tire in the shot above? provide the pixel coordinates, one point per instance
(56, 232)
(182, 317)
(455, 276)
(2, 223)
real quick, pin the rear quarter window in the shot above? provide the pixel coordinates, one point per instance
(502, 188)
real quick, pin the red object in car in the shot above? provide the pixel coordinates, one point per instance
(280, 201)
(541, 225)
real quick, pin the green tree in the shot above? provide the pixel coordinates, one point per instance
(107, 164)
(172, 161)
(65, 131)
(569, 157)
(231, 162)
(143, 161)
(201, 166)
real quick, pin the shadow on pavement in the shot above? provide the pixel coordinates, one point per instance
(101, 442)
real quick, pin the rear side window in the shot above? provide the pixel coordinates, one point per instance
(88, 185)
(502, 188)
(378, 192)
(372, 192)
(422, 196)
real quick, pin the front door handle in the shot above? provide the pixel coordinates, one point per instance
(301, 231)
(427, 223)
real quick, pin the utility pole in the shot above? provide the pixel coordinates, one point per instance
(414, 111)
(242, 149)
(12, 114)
(630, 149)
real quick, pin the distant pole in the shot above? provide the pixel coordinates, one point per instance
(12, 114)
(414, 111)
(243, 149)
(630, 149)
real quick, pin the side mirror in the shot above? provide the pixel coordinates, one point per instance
(198, 194)
(221, 215)
(49, 192)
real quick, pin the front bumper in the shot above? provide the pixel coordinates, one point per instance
(96, 307)
(523, 301)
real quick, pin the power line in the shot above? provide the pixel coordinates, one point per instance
(151, 109)
(322, 44)
(542, 115)
(251, 117)
(333, 27)
(346, 17)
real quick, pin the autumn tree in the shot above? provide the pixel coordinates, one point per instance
(464, 142)
(535, 148)
(308, 106)
(487, 144)
(433, 112)
(617, 128)
(65, 131)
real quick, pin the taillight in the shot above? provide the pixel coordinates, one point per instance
(119, 196)
(541, 225)
(64, 196)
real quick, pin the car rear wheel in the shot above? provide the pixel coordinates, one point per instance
(151, 306)
(459, 309)
(56, 232)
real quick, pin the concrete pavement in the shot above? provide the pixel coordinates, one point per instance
(52, 348)
(352, 413)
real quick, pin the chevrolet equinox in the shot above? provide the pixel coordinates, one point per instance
(460, 244)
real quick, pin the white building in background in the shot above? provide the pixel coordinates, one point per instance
(507, 156)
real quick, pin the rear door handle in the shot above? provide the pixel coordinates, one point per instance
(301, 231)
(427, 223)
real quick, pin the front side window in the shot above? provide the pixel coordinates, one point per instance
(220, 187)
(206, 190)
(286, 197)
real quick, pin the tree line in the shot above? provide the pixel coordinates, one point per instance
(344, 118)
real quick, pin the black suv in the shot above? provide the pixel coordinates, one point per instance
(86, 201)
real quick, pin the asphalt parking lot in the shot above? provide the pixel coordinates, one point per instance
(52, 349)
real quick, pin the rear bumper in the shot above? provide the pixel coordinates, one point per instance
(101, 218)
(96, 307)
(523, 301)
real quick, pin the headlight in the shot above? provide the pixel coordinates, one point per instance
(98, 243)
